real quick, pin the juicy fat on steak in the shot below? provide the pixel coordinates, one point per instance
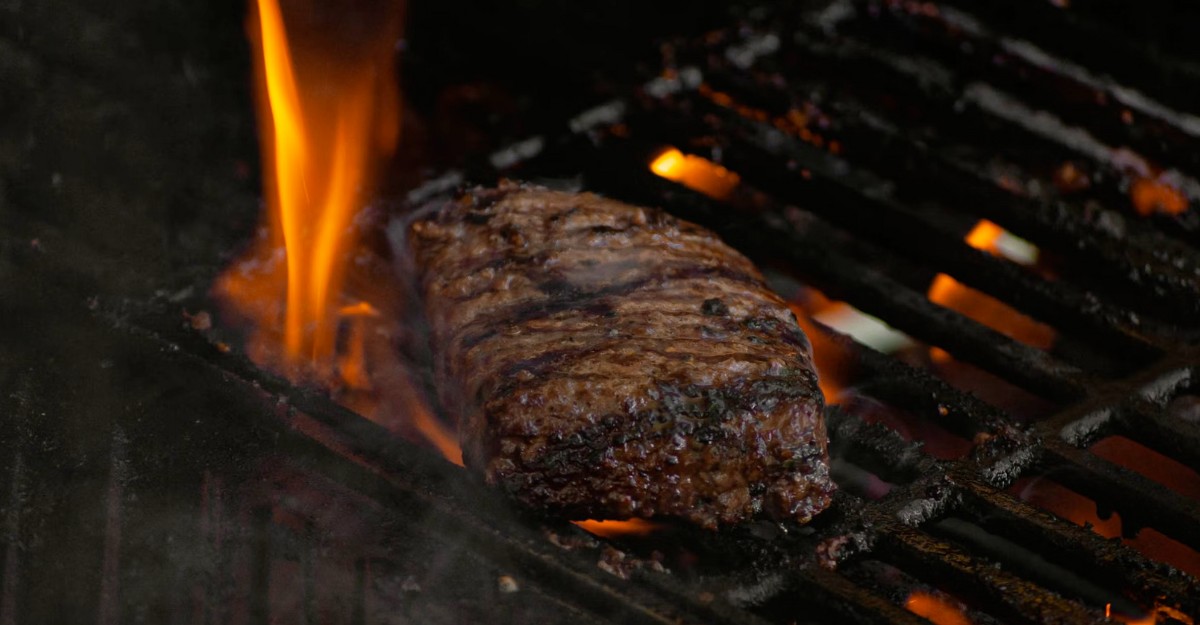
(611, 361)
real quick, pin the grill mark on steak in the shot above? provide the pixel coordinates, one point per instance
(609, 361)
(526, 373)
(561, 296)
(515, 263)
(686, 333)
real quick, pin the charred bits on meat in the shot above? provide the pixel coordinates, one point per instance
(608, 361)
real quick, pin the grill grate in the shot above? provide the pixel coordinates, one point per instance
(936, 115)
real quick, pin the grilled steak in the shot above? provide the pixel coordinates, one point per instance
(610, 361)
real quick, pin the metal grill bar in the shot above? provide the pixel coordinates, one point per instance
(913, 159)
(877, 448)
(1048, 82)
(1148, 581)
(1019, 598)
(848, 602)
(920, 391)
(1128, 59)
(1141, 500)
(1149, 424)
(913, 232)
(809, 250)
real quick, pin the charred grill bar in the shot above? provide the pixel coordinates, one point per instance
(943, 114)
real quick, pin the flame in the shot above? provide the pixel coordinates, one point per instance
(984, 236)
(1070, 178)
(948, 292)
(325, 127)
(695, 173)
(380, 387)
(1170, 612)
(1128, 620)
(352, 362)
(436, 432)
(615, 529)
(1149, 619)
(1067, 504)
(1153, 196)
(1151, 190)
(1158, 467)
(834, 368)
(329, 118)
(936, 609)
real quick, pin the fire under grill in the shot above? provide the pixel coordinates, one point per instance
(989, 473)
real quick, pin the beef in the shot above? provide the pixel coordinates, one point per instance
(610, 361)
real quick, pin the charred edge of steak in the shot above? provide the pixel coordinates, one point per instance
(705, 409)
(702, 454)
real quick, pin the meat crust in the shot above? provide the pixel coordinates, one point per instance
(611, 361)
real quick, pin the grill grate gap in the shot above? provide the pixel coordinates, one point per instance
(1102, 518)
(1057, 576)
(899, 155)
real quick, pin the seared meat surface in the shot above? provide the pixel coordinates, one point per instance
(611, 361)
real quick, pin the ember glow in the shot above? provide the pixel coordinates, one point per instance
(695, 173)
(937, 610)
(615, 529)
(834, 367)
(1049, 495)
(1154, 196)
(1129, 620)
(983, 308)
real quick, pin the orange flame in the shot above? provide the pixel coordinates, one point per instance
(936, 609)
(1129, 620)
(695, 173)
(614, 529)
(948, 292)
(325, 127)
(1173, 613)
(441, 437)
(329, 117)
(833, 365)
(1067, 504)
(984, 236)
(1153, 196)
(352, 362)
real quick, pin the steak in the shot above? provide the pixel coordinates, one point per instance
(610, 361)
